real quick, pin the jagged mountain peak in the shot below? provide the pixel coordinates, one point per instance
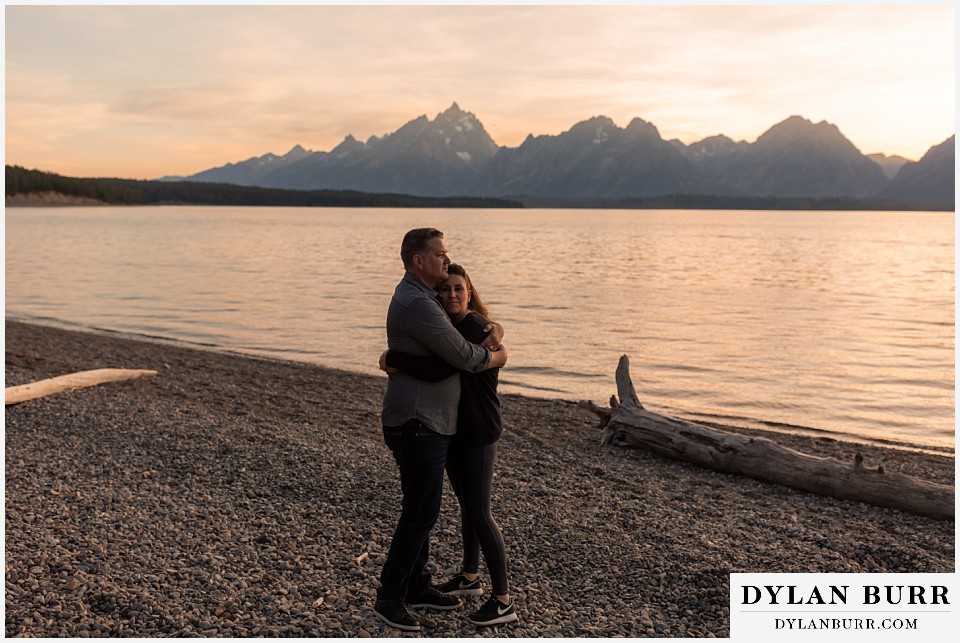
(605, 125)
(297, 150)
(254, 169)
(453, 112)
(296, 153)
(932, 178)
(639, 127)
(798, 126)
(799, 158)
(945, 150)
(596, 129)
(718, 139)
(638, 123)
(799, 133)
(430, 157)
(715, 146)
(880, 157)
(454, 155)
(458, 119)
(889, 164)
(596, 121)
(799, 122)
(348, 146)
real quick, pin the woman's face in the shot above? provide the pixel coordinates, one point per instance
(455, 296)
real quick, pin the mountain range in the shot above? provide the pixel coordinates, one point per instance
(453, 155)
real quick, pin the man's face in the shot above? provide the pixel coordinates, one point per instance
(432, 263)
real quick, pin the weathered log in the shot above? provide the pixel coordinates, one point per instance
(628, 424)
(71, 382)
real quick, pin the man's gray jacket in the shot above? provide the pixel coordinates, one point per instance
(417, 324)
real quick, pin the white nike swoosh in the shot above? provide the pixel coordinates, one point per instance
(501, 612)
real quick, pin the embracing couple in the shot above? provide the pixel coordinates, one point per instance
(441, 413)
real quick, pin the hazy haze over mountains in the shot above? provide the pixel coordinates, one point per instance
(453, 155)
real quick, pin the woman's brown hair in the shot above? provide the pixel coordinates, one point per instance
(476, 304)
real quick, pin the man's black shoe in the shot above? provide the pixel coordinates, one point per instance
(430, 598)
(394, 612)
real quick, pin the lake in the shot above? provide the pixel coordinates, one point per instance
(833, 323)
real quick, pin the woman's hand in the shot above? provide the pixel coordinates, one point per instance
(498, 358)
(383, 363)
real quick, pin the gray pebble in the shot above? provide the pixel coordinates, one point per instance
(224, 496)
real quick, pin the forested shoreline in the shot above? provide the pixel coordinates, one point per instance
(112, 191)
(135, 192)
(714, 202)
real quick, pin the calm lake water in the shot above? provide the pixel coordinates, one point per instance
(834, 322)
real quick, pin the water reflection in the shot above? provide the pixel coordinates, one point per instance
(837, 321)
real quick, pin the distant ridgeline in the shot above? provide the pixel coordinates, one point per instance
(45, 186)
(795, 164)
(20, 181)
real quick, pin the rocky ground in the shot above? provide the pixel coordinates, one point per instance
(233, 496)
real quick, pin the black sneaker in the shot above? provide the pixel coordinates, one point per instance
(460, 585)
(394, 612)
(493, 612)
(432, 599)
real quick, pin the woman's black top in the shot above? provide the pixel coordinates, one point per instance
(479, 421)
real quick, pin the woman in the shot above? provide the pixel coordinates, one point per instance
(471, 458)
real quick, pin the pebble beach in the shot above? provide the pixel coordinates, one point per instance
(235, 496)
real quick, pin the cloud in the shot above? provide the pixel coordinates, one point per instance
(213, 82)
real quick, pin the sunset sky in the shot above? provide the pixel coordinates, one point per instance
(149, 91)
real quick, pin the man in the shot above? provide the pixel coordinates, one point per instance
(419, 421)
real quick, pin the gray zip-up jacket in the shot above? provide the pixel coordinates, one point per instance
(417, 324)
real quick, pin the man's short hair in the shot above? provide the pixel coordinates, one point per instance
(415, 242)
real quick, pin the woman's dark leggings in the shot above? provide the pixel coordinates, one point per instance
(470, 470)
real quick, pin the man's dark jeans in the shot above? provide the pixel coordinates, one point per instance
(421, 455)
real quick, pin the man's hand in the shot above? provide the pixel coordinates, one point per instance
(494, 337)
(383, 363)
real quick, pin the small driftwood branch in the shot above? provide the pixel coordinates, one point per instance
(71, 382)
(628, 424)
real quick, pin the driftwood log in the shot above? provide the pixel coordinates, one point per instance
(626, 423)
(71, 382)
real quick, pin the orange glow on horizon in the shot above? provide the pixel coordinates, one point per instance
(212, 85)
